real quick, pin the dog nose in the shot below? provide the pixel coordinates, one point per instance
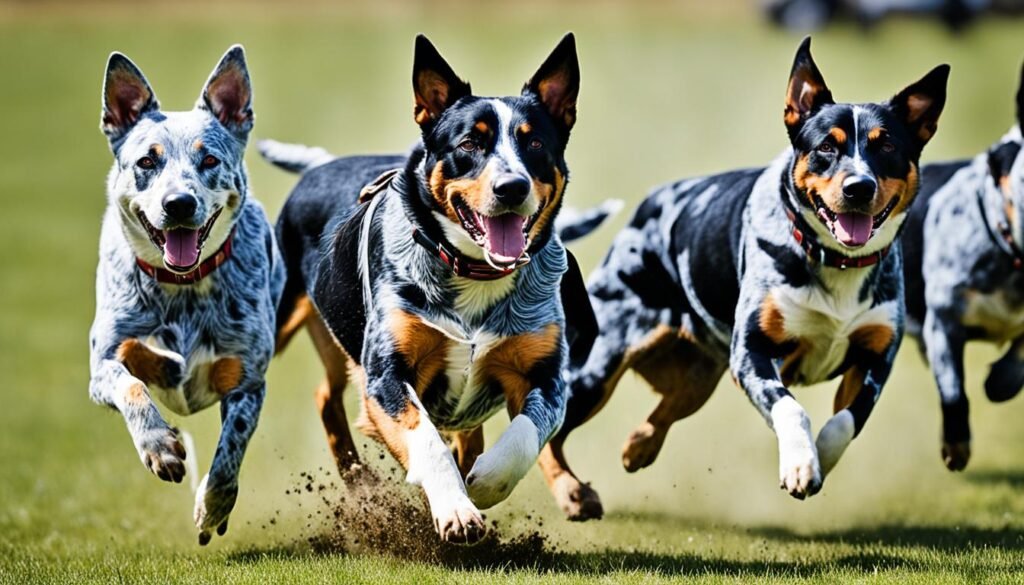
(859, 190)
(511, 189)
(180, 206)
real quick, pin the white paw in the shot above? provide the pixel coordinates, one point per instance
(498, 470)
(457, 520)
(213, 506)
(799, 469)
(833, 439)
(161, 452)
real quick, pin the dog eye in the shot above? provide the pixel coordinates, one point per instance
(468, 145)
(825, 148)
(145, 163)
(888, 147)
(536, 144)
(209, 161)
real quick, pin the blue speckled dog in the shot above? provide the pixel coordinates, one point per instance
(189, 275)
(965, 276)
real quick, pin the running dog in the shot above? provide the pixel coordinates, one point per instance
(964, 269)
(785, 275)
(189, 276)
(441, 291)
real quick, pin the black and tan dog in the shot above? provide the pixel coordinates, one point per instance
(786, 275)
(965, 275)
(442, 292)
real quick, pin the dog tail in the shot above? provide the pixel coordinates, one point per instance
(296, 158)
(572, 224)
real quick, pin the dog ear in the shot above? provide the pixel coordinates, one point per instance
(1020, 101)
(920, 104)
(434, 83)
(127, 96)
(807, 91)
(557, 82)
(228, 93)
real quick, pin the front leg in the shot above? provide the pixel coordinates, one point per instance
(156, 442)
(527, 367)
(215, 498)
(873, 350)
(1006, 377)
(944, 340)
(759, 339)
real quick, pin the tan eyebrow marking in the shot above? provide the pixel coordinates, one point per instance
(876, 133)
(839, 134)
(197, 144)
(158, 149)
(483, 127)
(525, 128)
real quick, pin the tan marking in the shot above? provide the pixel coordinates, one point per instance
(771, 321)
(510, 362)
(889, 188)
(330, 392)
(390, 430)
(136, 394)
(829, 189)
(482, 127)
(548, 197)
(225, 375)
(849, 388)
(525, 128)
(424, 348)
(431, 95)
(874, 338)
(876, 133)
(158, 149)
(198, 144)
(303, 309)
(800, 96)
(143, 362)
(466, 447)
(838, 134)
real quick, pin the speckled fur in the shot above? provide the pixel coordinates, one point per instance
(229, 314)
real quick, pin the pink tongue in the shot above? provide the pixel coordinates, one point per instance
(853, 229)
(505, 235)
(181, 248)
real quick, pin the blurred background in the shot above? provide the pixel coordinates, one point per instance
(669, 89)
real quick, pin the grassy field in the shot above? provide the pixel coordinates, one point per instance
(666, 93)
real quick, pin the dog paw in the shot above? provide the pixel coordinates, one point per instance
(956, 455)
(642, 447)
(213, 506)
(800, 474)
(458, 522)
(497, 472)
(162, 453)
(577, 500)
(1004, 381)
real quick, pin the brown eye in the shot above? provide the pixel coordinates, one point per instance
(468, 145)
(145, 163)
(536, 144)
(209, 161)
(826, 148)
(888, 147)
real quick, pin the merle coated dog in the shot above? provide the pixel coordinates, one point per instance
(964, 270)
(189, 276)
(441, 292)
(785, 275)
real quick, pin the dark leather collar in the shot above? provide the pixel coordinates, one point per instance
(822, 255)
(1002, 236)
(200, 272)
(461, 265)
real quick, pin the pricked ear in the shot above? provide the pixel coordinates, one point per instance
(557, 82)
(126, 97)
(434, 83)
(807, 91)
(1020, 101)
(228, 93)
(920, 104)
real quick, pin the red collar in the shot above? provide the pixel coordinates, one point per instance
(829, 257)
(466, 267)
(200, 272)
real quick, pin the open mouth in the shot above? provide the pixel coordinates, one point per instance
(503, 237)
(180, 246)
(852, 229)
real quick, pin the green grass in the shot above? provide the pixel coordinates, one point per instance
(666, 93)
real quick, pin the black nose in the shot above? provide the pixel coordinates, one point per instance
(859, 190)
(180, 206)
(511, 189)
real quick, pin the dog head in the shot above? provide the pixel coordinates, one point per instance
(855, 166)
(1006, 166)
(178, 178)
(493, 168)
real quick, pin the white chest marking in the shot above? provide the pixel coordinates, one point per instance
(194, 393)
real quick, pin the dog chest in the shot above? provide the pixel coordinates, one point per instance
(189, 386)
(823, 324)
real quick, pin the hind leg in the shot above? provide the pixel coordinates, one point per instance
(1006, 377)
(329, 395)
(685, 377)
(466, 447)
